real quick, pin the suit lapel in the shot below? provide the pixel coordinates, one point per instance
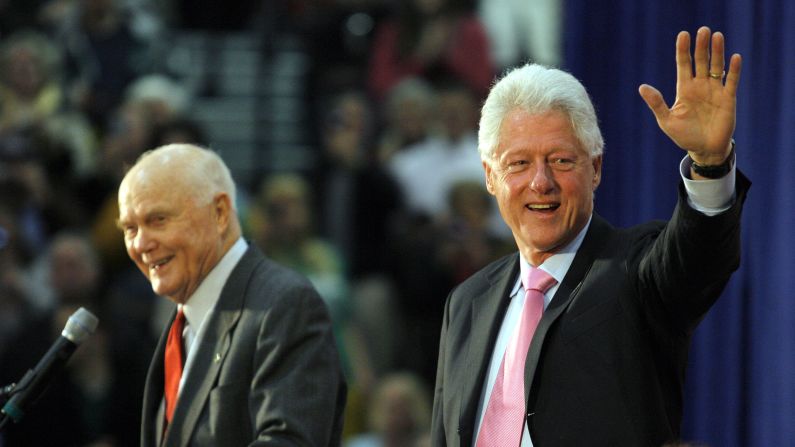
(583, 260)
(487, 312)
(212, 350)
(153, 390)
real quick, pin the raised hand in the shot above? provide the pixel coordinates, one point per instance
(702, 119)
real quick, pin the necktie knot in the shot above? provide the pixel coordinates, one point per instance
(179, 322)
(536, 279)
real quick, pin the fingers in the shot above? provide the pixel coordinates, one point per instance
(708, 58)
(655, 101)
(701, 54)
(684, 65)
(716, 58)
(733, 77)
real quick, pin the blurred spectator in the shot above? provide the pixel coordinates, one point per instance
(71, 136)
(523, 30)
(430, 258)
(426, 170)
(20, 182)
(29, 85)
(96, 400)
(358, 207)
(439, 40)
(339, 35)
(289, 237)
(466, 241)
(32, 101)
(162, 98)
(103, 55)
(15, 309)
(358, 198)
(150, 102)
(399, 413)
(373, 340)
(408, 110)
(36, 187)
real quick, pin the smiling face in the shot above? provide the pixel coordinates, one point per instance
(172, 239)
(543, 181)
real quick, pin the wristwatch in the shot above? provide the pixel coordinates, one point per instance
(715, 171)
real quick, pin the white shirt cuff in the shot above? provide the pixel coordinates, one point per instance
(711, 196)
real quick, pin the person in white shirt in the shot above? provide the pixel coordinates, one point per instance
(607, 349)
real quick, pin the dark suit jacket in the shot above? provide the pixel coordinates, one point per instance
(607, 362)
(266, 373)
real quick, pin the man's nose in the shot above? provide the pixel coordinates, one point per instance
(143, 241)
(541, 181)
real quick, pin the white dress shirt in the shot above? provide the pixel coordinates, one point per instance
(197, 308)
(710, 197)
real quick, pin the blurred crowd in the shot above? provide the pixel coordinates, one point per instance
(389, 217)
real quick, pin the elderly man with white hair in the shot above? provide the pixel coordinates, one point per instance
(249, 358)
(581, 337)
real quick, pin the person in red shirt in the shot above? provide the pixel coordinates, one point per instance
(435, 39)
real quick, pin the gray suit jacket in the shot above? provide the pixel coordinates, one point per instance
(266, 372)
(606, 366)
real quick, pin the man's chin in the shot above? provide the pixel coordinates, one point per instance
(542, 249)
(545, 245)
(160, 289)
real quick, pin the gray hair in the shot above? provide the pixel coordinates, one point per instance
(537, 89)
(200, 168)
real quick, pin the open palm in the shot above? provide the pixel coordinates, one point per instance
(702, 118)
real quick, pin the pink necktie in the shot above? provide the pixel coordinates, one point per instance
(175, 358)
(503, 421)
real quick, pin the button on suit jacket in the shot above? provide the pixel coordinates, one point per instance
(606, 366)
(266, 371)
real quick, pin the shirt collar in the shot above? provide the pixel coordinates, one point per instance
(558, 264)
(207, 294)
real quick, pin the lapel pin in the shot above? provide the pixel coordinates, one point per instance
(217, 357)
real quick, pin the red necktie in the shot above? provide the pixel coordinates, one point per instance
(503, 421)
(175, 358)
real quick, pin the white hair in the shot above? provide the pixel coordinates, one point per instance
(537, 89)
(200, 169)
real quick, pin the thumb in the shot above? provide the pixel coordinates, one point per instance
(655, 101)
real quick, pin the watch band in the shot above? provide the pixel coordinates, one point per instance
(715, 171)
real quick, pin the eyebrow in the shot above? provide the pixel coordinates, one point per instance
(119, 224)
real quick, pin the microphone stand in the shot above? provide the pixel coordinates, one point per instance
(5, 393)
(8, 391)
(80, 325)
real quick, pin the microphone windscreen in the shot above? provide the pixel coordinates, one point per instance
(80, 325)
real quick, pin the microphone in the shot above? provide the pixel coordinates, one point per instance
(79, 326)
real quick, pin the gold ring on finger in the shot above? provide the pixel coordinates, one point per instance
(717, 75)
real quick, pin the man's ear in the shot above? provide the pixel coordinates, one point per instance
(222, 206)
(597, 169)
(488, 172)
